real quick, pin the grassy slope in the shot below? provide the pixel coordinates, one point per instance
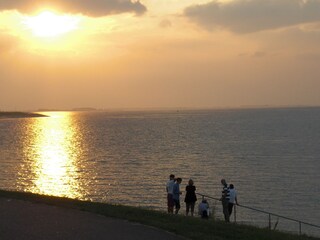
(193, 228)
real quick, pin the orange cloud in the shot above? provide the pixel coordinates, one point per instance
(94, 8)
(251, 16)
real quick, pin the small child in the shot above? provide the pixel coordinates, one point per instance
(204, 209)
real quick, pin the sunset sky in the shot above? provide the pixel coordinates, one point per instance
(158, 53)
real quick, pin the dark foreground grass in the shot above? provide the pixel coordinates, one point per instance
(192, 228)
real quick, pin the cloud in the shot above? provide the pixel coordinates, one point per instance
(309, 57)
(246, 16)
(165, 24)
(93, 8)
(259, 54)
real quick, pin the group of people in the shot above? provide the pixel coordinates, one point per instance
(174, 192)
(228, 198)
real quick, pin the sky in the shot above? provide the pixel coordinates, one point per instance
(122, 54)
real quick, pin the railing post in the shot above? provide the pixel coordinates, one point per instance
(269, 221)
(300, 228)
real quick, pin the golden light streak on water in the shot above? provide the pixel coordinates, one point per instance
(53, 149)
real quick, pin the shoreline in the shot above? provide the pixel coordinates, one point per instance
(8, 115)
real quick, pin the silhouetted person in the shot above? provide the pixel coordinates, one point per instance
(169, 189)
(233, 198)
(176, 194)
(190, 198)
(225, 200)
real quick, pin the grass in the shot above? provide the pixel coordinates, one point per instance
(192, 228)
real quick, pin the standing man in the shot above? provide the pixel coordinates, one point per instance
(225, 198)
(169, 189)
(176, 194)
(233, 198)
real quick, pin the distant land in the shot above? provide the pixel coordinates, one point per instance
(20, 115)
(84, 109)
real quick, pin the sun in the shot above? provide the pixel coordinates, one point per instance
(49, 24)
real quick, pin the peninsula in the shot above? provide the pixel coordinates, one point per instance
(20, 115)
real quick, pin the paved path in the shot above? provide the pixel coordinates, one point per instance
(32, 221)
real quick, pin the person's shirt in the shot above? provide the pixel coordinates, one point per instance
(232, 195)
(170, 184)
(191, 189)
(203, 207)
(176, 191)
(226, 192)
(190, 194)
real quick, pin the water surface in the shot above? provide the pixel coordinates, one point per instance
(270, 155)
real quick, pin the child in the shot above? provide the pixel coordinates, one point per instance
(204, 209)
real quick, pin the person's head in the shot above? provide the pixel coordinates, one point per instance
(204, 201)
(190, 182)
(179, 180)
(171, 177)
(231, 186)
(223, 182)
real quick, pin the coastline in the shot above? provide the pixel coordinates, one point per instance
(5, 115)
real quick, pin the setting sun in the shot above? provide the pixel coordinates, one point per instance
(49, 24)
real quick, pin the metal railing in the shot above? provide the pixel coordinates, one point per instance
(270, 214)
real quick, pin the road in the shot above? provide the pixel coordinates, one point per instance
(32, 221)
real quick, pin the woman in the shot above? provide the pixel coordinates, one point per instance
(190, 198)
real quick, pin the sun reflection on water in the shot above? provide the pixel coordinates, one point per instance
(52, 149)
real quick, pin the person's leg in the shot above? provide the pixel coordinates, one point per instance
(187, 208)
(177, 205)
(230, 206)
(170, 203)
(204, 214)
(225, 210)
(192, 208)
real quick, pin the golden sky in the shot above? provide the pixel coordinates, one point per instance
(158, 53)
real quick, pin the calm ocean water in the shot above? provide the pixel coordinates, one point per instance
(270, 155)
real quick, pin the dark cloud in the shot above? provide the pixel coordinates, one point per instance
(245, 16)
(94, 8)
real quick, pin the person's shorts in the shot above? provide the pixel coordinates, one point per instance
(176, 203)
(204, 214)
(170, 201)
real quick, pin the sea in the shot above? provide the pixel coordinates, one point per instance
(270, 155)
